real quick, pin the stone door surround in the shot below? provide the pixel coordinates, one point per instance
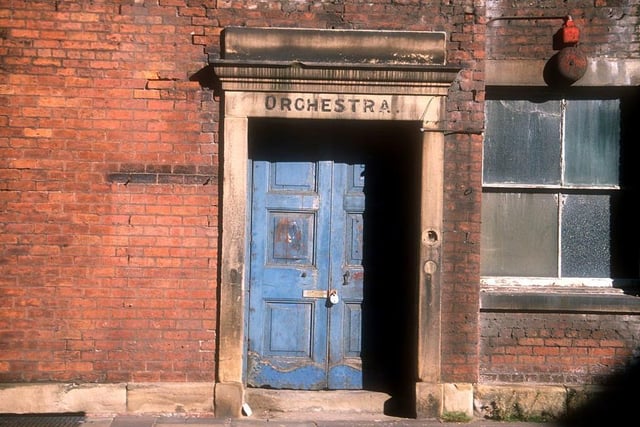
(327, 74)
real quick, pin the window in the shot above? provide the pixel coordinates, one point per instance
(559, 186)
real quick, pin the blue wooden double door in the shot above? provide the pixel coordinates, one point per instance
(306, 281)
(306, 272)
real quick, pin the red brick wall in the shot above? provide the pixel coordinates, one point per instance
(108, 193)
(608, 28)
(463, 164)
(556, 348)
(109, 180)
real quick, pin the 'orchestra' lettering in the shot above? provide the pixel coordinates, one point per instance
(327, 105)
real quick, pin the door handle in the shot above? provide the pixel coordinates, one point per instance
(345, 278)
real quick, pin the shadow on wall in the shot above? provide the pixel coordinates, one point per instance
(615, 405)
(207, 78)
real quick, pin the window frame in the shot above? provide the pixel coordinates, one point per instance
(561, 189)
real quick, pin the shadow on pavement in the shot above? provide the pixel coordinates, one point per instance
(616, 405)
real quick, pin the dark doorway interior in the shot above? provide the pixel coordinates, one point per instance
(391, 152)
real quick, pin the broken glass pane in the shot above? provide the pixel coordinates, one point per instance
(586, 236)
(592, 140)
(523, 142)
(519, 235)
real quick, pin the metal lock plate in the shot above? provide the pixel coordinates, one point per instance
(314, 293)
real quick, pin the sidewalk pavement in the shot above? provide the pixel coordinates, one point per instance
(308, 420)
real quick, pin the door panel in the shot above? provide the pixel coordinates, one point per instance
(306, 241)
(287, 226)
(345, 365)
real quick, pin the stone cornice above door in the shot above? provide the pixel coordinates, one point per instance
(338, 61)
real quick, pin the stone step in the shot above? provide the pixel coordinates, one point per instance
(265, 403)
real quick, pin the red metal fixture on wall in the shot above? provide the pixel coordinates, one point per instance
(569, 32)
(570, 61)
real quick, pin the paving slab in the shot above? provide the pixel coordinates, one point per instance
(134, 421)
(97, 422)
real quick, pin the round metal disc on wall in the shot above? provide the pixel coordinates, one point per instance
(571, 63)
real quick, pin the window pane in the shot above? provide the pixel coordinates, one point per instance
(586, 241)
(519, 235)
(592, 137)
(523, 142)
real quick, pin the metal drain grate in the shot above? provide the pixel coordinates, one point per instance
(41, 420)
